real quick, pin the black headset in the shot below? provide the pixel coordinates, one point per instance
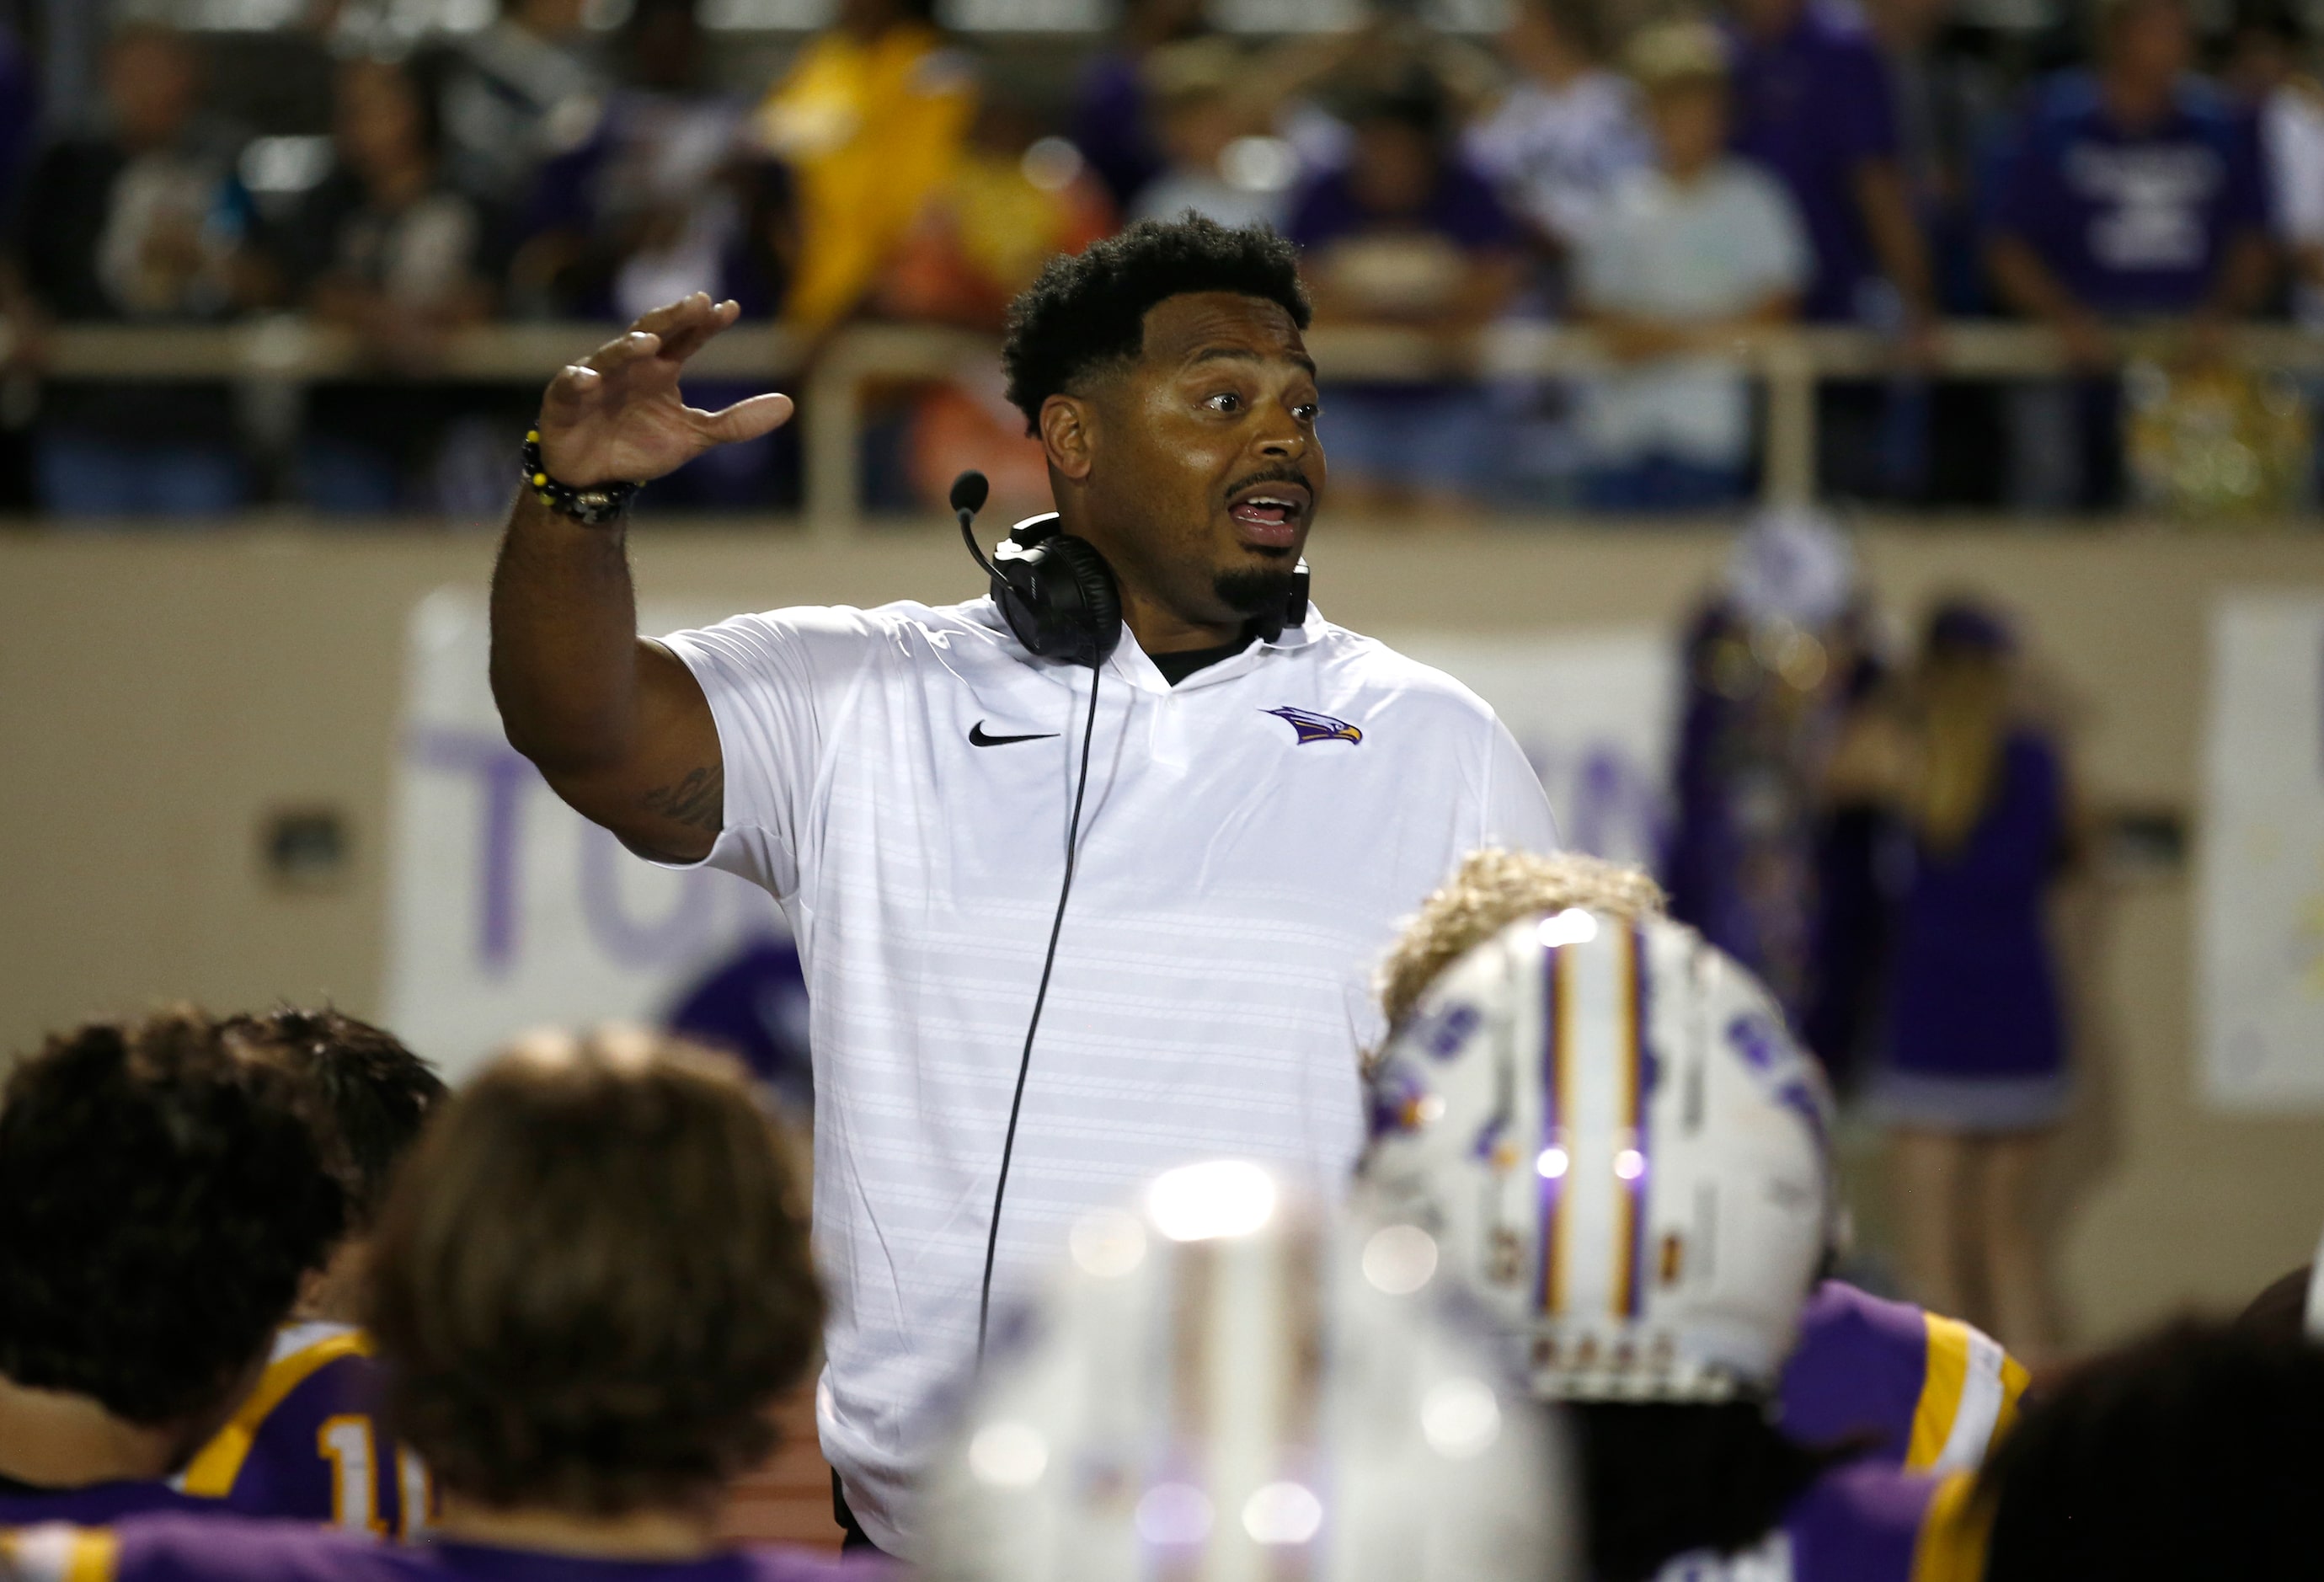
(1058, 594)
(1055, 590)
(1060, 600)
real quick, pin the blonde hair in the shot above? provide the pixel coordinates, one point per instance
(1493, 889)
(1964, 717)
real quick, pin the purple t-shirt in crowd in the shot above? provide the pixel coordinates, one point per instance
(1461, 208)
(177, 1548)
(1813, 105)
(1111, 128)
(2132, 222)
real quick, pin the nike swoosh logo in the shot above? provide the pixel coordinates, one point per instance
(977, 738)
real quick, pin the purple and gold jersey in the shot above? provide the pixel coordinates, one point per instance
(1926, 1393)
(94, 1505)
(305, 1443)
(308, 1442)
(227, 1549)
(1865, 1523)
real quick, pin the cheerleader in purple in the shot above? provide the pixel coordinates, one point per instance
(1975, 1076)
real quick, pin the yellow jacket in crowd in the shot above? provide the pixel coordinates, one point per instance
(869, 128)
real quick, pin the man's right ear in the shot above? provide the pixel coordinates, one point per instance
(1068, 433)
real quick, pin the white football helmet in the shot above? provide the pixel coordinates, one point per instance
(1619, 1148)
(1226, 1384)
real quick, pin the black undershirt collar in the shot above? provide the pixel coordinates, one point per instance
(1176, 667)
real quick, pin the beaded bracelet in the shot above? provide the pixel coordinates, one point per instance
(593, 506)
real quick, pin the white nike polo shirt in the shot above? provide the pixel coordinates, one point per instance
(901, 779)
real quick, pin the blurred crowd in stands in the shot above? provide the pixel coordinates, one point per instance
(1670, 178)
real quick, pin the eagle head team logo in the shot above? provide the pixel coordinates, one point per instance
(1310, 726)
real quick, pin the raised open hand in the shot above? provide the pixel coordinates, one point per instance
(616, 416)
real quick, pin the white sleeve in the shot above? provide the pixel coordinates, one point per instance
(776, 683)
(1518, 815)
(1602, 278)
(1772, 253)
(2294, 129)
(1492, 142)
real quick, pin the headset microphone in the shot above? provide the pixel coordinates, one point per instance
(968, 495)
(1054, 589)
(969, 492)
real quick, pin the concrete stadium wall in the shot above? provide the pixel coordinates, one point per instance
(161, 695)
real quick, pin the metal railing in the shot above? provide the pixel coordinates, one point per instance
(1790, 362)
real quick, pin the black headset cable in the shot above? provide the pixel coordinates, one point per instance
(1040, 998)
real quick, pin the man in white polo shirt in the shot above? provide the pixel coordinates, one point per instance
(1261, 796)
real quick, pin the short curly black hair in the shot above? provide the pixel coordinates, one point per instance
(593, 1279)
(1089, 310)
(159, 1198)
(371, 1093)
(2192, 1452)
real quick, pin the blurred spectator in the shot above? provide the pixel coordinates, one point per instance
(1687, 254)
(1406, 233)
(2133, 192)
(144, 220)
(1567, 131)
(1201, 112)
(1975, 1069)
(1950, 112)
(658, 200)
(2269, 70)
(1813, 103)
(1562, 133)
(1112, 125)
(869, 119)
(1010, 201)
(522, 89)
(1775, 661)
(667, 196)
(21, 104)
(1317, 83)
(384, 247)
(19, 116)
(753, 1005)
(1950, 115)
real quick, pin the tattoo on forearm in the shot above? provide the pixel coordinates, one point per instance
(698, 801)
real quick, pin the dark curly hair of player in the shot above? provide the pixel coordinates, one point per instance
(1088, 310)
(593, 1279)
(160, 1197)
(371, 1093)
(2196, 1452)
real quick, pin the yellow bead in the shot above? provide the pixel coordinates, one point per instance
(540, 478)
